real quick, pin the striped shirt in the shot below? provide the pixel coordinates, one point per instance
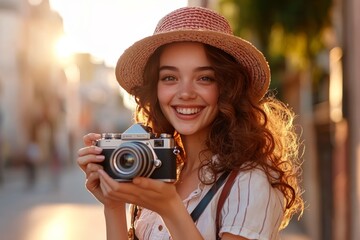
(253, 209)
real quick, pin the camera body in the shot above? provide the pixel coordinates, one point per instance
(138, 152)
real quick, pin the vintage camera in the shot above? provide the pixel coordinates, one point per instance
(138, 152)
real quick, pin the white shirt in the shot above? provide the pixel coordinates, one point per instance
(253, 209)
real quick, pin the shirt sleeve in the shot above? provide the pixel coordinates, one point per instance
(253, 209)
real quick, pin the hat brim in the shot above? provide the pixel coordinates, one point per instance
(131, 64)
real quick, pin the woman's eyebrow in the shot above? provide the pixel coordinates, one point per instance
(204, 68)
(198, 69)
(165, 67)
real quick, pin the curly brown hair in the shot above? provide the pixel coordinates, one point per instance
(258, 133)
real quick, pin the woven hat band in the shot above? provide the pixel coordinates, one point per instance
(193, 19)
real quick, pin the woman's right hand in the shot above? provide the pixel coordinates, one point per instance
(89, 159)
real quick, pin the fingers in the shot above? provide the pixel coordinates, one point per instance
(92, 168)
(90, 138)
(139, 187)
(110, 184)
(105, 187)
(111, 189)
(88, 155)
(149, 193)
(92, 181)
(117, 190)
(89, 150)
(149, 184)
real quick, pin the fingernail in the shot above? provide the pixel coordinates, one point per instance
(100, 157)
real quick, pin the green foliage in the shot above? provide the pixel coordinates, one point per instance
(280, 27)
(288, 32)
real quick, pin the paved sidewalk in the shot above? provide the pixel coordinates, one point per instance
(59, 208)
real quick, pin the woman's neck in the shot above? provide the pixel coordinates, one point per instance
(193, 145)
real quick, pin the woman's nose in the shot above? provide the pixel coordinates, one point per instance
(186, 90)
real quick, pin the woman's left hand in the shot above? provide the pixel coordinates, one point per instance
(149, 193)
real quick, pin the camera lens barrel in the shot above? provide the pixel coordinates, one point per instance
(132, 159)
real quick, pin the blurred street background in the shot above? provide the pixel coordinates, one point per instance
(57, 83)
(56, 209)
(59, 208)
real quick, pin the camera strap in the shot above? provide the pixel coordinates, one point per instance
(133, 209)
(223, 196)
(195, 214)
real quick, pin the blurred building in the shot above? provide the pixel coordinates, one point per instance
(332, 138)
(351, 172)
(12, 14)
(100, 97)
(46, 104)
(29, 76)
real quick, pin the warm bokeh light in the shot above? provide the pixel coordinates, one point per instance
(34, 2)
(105, 28)
(336, 85)
(64, 49)
(59, 222)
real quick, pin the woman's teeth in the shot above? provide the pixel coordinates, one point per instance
(188, 111)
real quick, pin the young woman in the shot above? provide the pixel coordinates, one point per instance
(207, 88)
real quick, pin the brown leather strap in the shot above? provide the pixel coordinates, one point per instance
(223, 196)
(133, 210)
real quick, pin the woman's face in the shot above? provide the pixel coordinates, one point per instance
(187, 90)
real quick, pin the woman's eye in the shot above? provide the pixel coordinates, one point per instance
(207, 79)
(168, 78)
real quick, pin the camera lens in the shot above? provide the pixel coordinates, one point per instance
(132, 159)
(127, 160)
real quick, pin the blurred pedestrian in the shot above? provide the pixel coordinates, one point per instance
(2, 155)
(195, 80)
(32, 159)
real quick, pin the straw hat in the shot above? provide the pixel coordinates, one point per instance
(199, 25)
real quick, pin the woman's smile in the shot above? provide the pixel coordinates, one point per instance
(187, 110)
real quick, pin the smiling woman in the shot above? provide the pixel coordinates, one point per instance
(207, 90)
(89, 25)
